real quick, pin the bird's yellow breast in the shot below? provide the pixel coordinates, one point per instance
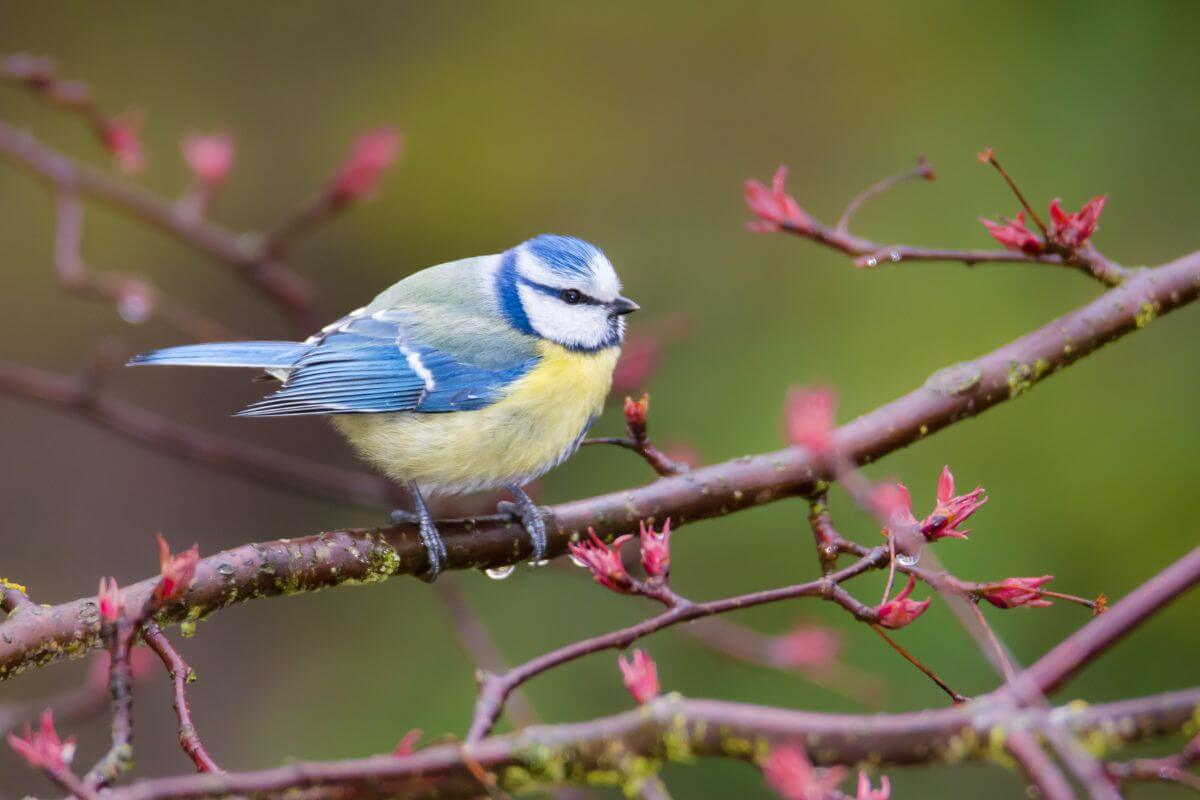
(532, 428)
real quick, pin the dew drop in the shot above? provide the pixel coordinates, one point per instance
(541, 563)
(872, 261)
(499, 573)
(894, 256)
(135, 304)
(906, 560)
(579, 562)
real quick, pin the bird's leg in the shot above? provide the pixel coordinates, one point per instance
(531, 518)
(435, 548)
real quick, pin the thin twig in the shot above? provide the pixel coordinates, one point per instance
(479, 646)
(196, 446)
(910, 658)
(119, 756)
(496, 689)
(181, 674)
(291, 294)
(988, 157)
(922, 170)
(135, 300)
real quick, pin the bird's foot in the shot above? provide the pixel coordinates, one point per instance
(531, 517)
(435, 548)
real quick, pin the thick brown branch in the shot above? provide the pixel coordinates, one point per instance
(619, 749)
(948, 396)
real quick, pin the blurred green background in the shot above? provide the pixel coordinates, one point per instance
(632, 125)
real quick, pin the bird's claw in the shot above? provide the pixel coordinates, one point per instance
(532, 518)
(435, 549)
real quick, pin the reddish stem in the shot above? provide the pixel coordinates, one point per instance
(180, 674)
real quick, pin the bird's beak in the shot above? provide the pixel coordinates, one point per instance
(623, 305)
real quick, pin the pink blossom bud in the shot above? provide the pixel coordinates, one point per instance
(807, 647)
(892, 504)
(656, 549)
(951, 510)
(111, 600)
(209, 157)
(1072, 230)
(42, 749)
(635, 413)
(900, 611)
(408, 743)
(789, 772)
(371, 155)
(640, 675)
(1014, 235)
(122, 138)
(176, 571)
(1014, 592)
(809, 418)
(774, 207)
(603, 561)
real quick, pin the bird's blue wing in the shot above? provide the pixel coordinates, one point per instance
(371, 363)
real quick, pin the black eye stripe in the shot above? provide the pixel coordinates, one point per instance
(550, 290)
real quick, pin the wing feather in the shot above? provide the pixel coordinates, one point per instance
(373, 363)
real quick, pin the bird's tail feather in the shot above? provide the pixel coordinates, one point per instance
(227, 354)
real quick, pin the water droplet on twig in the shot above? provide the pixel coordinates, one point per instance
(499, 573)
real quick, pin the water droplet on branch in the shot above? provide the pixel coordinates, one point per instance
(499, 573)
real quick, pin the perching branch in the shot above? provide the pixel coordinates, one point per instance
(948, 396)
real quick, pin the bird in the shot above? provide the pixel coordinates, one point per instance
(473, 375)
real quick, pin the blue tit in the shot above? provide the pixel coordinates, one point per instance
(474, 375)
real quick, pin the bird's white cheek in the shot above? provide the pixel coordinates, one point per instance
(573, 326)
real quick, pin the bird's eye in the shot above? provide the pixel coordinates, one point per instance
(571, 296)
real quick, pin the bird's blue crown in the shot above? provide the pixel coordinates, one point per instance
(565, 255)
